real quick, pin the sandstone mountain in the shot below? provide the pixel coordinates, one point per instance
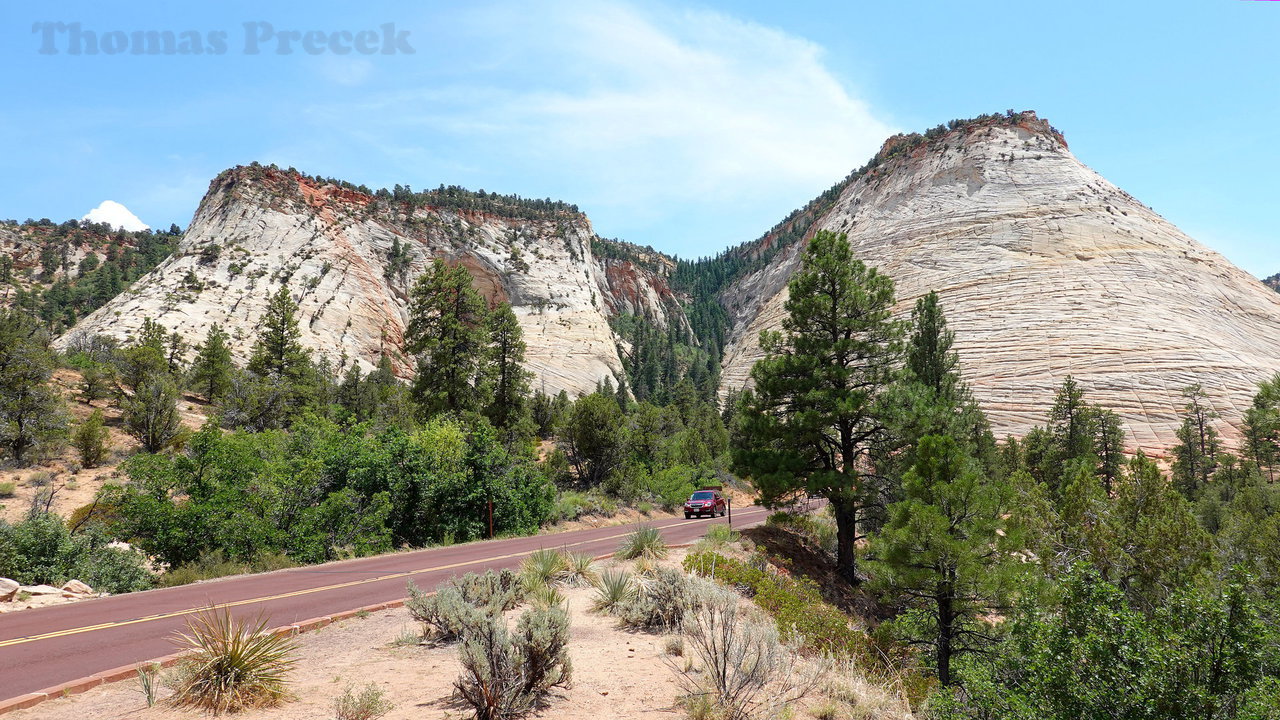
(1045, 269)
(349, 258)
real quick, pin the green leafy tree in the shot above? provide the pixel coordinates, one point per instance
(447, 333)
(811, 423)
(211, 371)
(1195, 457)
(592, 437)
(31, 412)
(145, 358)
(946, 547)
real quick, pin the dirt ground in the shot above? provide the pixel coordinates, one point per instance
(616, 674)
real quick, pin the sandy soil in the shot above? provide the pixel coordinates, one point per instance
(615, 674)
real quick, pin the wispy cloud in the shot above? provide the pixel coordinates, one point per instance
(632, 113)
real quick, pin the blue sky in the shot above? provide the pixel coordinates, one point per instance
(688, 127)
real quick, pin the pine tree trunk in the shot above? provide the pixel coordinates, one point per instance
(846, 540)
(946, 628)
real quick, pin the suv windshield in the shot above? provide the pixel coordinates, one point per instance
(703, 495)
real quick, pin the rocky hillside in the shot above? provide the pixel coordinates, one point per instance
(1045, 269)
(62, 272)
(349, 257)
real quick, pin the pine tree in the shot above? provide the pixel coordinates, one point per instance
(1195, 457)
(510, 381)
(447, 333)
(211, 371)
(1071, 421)
(151, 413)
(1262, 428)
(1108, 445)
(277, 350)
(947, 548)
(812, 422)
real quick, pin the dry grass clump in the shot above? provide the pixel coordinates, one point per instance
(852, 693)
(234, 665)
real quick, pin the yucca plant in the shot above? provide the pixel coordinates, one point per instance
(645, 542)
(580, 569)
(613, 590)
(233, 665)
(544, 567)
(546, 596)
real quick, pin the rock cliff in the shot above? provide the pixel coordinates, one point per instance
(1045, 269)
(350, 257)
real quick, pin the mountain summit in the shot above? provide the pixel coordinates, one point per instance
(1045, 270)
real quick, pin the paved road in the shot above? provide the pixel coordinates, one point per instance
(45, 647)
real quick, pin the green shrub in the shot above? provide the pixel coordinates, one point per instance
(42, 550)
(369, 704)
(7, 489)
(796, 604)
(463, 602)
(232, 664)
(90, 439)
(672, 486)
(645, 542)
(719, 535)
(663, 602)
(507, 675)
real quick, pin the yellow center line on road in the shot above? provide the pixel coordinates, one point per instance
(295, 593)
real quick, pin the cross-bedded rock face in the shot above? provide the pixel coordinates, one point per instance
(1045, 269)
(258, 228)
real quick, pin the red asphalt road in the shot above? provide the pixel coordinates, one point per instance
(45, 647)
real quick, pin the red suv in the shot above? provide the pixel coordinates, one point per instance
(704, 502)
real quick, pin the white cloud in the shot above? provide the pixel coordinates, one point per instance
(675, 102)
(115, 215)
(648, 118)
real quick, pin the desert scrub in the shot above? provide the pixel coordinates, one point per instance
(7, 489)
(794, 603)
(233, 665)
(463, 602)
(662, 602)
(614, 589)
(746, 672)
(645, 542)
(370, 703)
(508, 674)
(580, 570)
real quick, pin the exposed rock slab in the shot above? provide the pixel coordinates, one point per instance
(259, 228)
(1045, 269)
